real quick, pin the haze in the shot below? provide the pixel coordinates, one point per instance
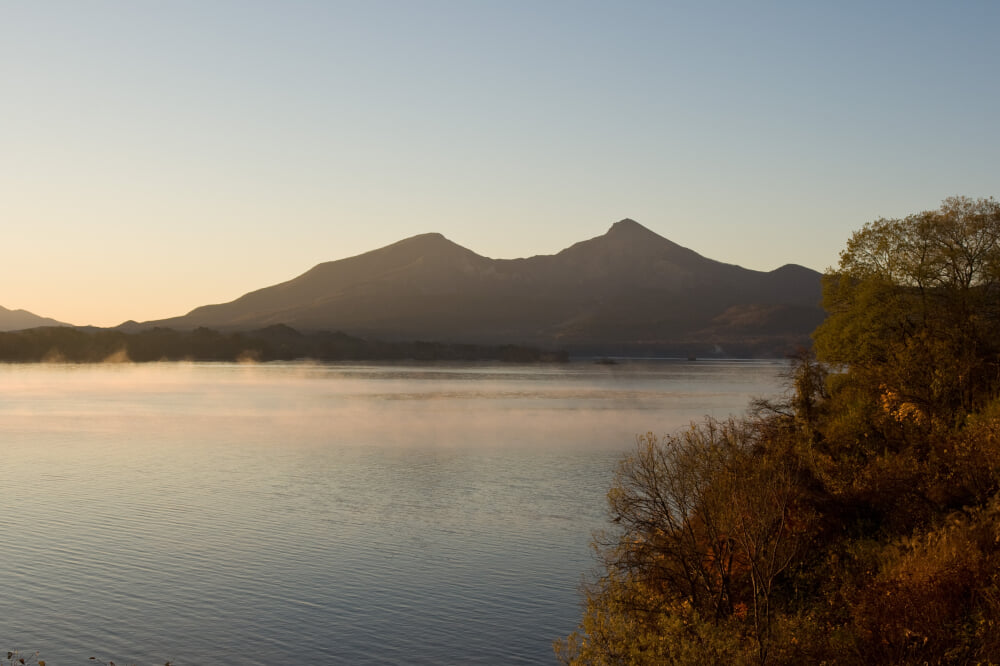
(161, 156)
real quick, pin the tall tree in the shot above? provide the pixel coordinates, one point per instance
(914, 309)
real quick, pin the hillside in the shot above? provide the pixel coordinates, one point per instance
(16, 320)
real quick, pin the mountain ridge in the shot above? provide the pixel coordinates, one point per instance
(627, 287)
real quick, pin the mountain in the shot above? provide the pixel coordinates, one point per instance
(627, 291)
(15, 320)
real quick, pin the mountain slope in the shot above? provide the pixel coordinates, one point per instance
(15, 320)
(628, 287)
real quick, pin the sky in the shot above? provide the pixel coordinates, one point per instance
(156, 156)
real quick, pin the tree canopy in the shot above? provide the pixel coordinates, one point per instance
(915, 304)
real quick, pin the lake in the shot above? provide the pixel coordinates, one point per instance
(303, 513)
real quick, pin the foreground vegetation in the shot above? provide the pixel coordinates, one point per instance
(858, 521)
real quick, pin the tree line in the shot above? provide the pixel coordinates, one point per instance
(274, 343)
(854, 521)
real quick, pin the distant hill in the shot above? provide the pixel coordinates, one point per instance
(15, 320)
(627, 291)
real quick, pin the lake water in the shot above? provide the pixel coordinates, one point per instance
(298, 513)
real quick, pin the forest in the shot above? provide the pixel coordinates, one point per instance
(854, 521)
(275, 343)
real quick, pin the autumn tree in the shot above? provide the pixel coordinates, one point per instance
(855, 521)
(705, 523)
(914, 311)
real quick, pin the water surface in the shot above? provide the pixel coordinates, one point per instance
(356, 514)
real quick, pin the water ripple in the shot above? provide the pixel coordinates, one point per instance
(362, 514)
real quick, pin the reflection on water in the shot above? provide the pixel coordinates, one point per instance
(316, 513)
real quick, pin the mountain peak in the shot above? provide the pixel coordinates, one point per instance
(625, 224)
(629, 228)
(431, 235)
(432, 244)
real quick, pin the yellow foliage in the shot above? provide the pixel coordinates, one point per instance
(900, 410)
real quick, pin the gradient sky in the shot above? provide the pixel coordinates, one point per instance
(156, 156)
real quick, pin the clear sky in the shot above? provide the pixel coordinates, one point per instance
(160, 155)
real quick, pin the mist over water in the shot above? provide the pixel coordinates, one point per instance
(329, 513)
